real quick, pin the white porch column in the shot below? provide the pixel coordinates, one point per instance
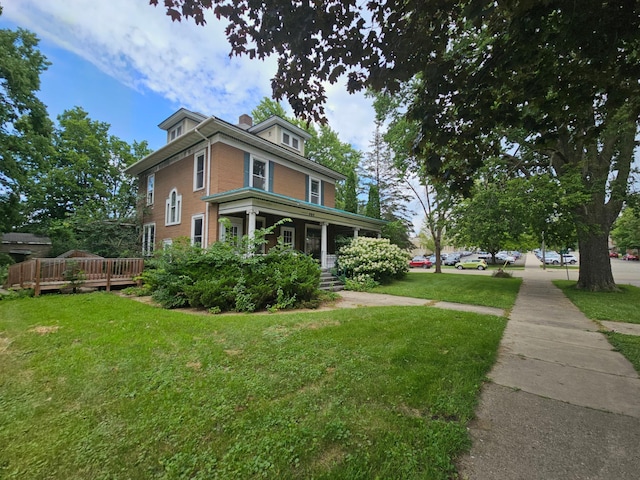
(251, 226)
(355, 232)
(379, 235)
(323, 245)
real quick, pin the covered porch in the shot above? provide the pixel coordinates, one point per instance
(314, 229)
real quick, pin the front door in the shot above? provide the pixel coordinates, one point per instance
(312, 244)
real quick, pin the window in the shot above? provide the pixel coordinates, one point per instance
(148, 238)
(151, 180)
(197, 224)
(290, 140)
(314, 191)
(174, 207)
(198, 171)
(259, 174)
(175, 132)
(288, 236)
(233, 233)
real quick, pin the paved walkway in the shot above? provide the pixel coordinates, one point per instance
(561, 403)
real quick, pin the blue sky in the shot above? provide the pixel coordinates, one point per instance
(127, 64)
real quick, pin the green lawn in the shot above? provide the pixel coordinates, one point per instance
(619, 306)
(102, 387)
(628, 345)
(459, 288)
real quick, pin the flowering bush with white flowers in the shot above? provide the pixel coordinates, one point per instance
(376, 259)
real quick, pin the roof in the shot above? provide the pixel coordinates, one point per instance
(212, 126)
(25, 238)
(178, 116)
(275, 120)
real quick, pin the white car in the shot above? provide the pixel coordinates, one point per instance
(551, 259)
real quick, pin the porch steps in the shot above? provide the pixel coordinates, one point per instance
(330, 282)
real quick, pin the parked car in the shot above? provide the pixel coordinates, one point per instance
(451, 259)
(630, 256)
(420, 262)
(505, 257)
(554, 259)
(474, 263)
(614, 254)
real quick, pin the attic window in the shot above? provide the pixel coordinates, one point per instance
(175, 132)
(290, 140)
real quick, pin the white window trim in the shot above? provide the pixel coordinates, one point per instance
(175, 132)
(148, 247)
(178, 209)
(151, 192)
(237, 222)
(167, 242)
(291, 138)
(266, 173)
(292, 230)
(202, 154)
(311, 180)
(194, 218)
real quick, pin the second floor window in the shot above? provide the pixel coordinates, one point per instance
(151, 180)
(259, 174)
(314, 191)
(290, 140)
(198, 171)
(174, 208)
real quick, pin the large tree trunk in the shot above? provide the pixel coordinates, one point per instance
(595, 265)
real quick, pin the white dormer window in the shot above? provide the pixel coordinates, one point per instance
(290, 140)
(175, 132)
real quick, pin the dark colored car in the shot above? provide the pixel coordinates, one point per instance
(630, 256)
(420, 262)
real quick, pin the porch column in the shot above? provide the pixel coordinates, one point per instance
(251, 226)
(355, 232)
(323, 245)
(379, 235)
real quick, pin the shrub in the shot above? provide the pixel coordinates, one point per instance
(372, 259)
(223, 278)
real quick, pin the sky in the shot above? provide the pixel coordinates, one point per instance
(126, 63)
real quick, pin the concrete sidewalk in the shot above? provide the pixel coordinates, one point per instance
(561, 403)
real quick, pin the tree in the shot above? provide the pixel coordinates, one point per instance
(268, 108)
(372, 208)
(350, 192)
(626, 232)
(84, 173)
(565, 74)
(24, 123)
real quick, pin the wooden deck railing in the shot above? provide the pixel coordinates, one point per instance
(54, 273)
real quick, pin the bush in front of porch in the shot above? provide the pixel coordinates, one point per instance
(367, 262)
(221, 278)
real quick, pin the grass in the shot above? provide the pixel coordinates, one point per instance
(628, 345)
(619, 306)
(482, 290)
(98, 386)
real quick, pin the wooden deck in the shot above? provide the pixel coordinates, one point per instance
(52, 273)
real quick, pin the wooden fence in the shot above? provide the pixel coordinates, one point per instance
(57, 273)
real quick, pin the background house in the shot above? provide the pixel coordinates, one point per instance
(253, 175)
(23, 246)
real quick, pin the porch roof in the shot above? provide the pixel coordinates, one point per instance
(242, 199)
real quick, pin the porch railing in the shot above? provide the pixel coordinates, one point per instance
(55, 273)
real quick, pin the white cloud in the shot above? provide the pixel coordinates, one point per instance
(189, 65)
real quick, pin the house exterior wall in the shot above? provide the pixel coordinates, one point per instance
(289, 182)
(227, 168)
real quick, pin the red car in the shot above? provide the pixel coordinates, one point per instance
(614, 254)
(630, 256)
(420, 262)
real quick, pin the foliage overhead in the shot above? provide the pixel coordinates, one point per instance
(626, 232)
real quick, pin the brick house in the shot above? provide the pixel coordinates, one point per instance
(253, 175)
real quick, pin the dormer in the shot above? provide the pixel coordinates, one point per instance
(281, 132)
(180, 123)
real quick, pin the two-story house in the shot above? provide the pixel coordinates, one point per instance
(253, 175)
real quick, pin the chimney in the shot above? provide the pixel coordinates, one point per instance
(245, 121)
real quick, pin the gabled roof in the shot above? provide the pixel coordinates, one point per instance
(275, 120)
(181, 115)
(211, 126)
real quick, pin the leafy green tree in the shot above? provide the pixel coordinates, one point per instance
(372, 208)
(24, 123)
(350, 192)
(626, 232)
(566, 76)
(267, 108)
